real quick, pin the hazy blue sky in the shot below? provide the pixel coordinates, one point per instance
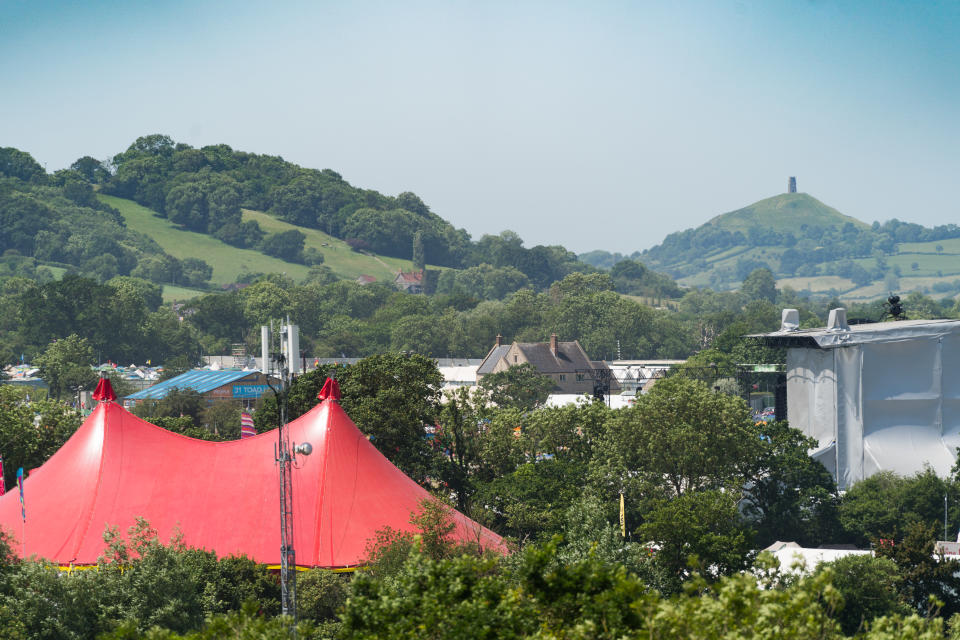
(592, 124)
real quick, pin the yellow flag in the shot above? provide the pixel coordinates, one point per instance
(623, 518)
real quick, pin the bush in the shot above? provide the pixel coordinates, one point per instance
(287, 245)
(869, 589)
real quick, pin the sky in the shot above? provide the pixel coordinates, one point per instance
(594, 125)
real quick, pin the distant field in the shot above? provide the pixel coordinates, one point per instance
(817, 283)
(746, 253)
(701, 279)
(230, 262)
(872, 291)
(726, 253)
(924, 285)
(729, 258)
(173, 293)
(949, 246)
(56, 271)
(927, 264)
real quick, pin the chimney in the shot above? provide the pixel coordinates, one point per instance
(554, 345)
(499, 342)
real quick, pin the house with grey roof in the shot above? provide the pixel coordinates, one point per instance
(566, 363)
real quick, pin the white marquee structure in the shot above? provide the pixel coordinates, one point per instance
(875, 396)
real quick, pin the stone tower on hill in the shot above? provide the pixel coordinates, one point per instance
(791, 185)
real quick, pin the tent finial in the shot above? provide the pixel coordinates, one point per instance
(331, 390)
(104, 391)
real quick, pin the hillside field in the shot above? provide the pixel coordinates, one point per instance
(337, 254)
(230, 262)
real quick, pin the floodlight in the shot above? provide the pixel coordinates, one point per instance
(304, 449)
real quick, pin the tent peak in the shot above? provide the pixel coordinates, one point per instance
(104, 391)
(331, 390)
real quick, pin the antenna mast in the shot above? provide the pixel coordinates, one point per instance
(283, 456)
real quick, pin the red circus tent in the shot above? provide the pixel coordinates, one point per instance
(222, 496)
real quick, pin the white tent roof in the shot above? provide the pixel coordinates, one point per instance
(794, 558)
(826, 338)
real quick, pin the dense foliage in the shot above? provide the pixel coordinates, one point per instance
(576, 585)
(56, 221)
(122, 320)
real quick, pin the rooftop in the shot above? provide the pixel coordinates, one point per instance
(840, 334)
(199, 380)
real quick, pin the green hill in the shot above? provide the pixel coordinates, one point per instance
(251, 201)
(784, 213)
(811, 246)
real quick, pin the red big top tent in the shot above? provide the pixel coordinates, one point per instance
(223, 496)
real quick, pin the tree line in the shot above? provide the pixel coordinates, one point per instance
(124, 320)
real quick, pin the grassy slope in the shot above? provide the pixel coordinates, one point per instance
(229, 262)
(336, 253)
(785, 212)
(173, 293)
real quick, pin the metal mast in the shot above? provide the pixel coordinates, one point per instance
(278, 361)
(274, 361)
(288, 558)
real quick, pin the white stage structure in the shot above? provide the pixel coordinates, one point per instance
(878, 396)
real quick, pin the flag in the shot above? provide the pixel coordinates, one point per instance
(23, 506)
(2, 490)
(623, 519)
(246, 425)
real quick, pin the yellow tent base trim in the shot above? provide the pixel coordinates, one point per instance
(276, 567)
(272, 567)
